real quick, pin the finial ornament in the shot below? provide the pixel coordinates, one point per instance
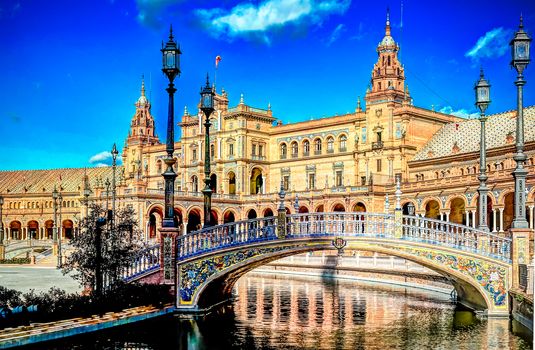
(521, 25)
(269, 106)
(185, 110)
(358, 103)
(170, 32)
(387, 29)
(142, 85)
(241, 99)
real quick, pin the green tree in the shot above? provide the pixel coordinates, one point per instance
(119, 246)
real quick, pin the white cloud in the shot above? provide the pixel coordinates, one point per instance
(336, 34)
(461, 113)
(100, 157)
(494, 43)
(250, 20)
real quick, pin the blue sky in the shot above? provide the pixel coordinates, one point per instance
(71, 70)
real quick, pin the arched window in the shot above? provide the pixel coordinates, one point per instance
(330, 144)
(388, 60)
(343, 143)
(212, 151)
(295, 149)
(306, 148)
(194, 184)
(317, 146)
(284, 151)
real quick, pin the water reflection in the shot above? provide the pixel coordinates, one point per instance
(292, 313)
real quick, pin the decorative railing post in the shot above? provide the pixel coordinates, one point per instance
(168, 254)
(519, 253)
(398, 216)
(281, 214)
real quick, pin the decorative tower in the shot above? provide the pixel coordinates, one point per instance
(142, 125)
(388, 75)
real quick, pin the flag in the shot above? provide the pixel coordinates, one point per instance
(217, 60)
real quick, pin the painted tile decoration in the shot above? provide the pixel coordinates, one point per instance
(194, 274)
(492, 277)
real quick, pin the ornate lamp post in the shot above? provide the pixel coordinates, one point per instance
(60, 200)
(207, 106)
(2, 249)
(55, 228)
(520, 60)
(171, 67)
(410, 208)
(482, 89)
(114, 154)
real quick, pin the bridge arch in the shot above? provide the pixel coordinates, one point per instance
(218, 286)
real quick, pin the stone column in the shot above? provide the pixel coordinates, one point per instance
(447, 216)
(168, 238)
(473, 218)
(531, 216)
(494, 223)
(467, 217)
(501, 219)
(519, 252)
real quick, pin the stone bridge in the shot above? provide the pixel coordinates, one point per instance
(205, 264)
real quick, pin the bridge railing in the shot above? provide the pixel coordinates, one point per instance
(340, 224)
(147, 260)
(458, 236)
(226, 235)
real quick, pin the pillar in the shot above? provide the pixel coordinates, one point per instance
(447, 216)
(519, 252)
(531, 216)
(467, 217)
(501, 219)
(168, 250)
(473, 212)
(494, 223)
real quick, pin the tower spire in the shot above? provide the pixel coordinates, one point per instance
(142, 85)
(387, 28)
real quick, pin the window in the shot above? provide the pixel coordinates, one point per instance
(343, 143)
(194, 184)
(231, 149)
(364, 135)
(260, 150)
(317, 146)
(212, 151)
(306, 148)
(294, 149)
(286, 182)
(284, 151)
(194, 154)
(339, 181)
(330, 145)
(311, 181)
(388, 60)
(254, 150)
(363, 180)
(379, 136)
(379, 165)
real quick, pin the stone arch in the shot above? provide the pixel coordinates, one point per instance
(155, 217)
(457, 207)
(320, 208)
(33, 229)
(268, 212)
(67, 228)
(432, 209)
(427, 200)
(490, 195)
(508, 210)
(218, 284)
(251, 214)
(303, 209)
(338, 207)
(257, 181)
(229, 216)
(194, 219)
(15, 229)
(49, 229)
(359, 207)
(178, 218)
(214, 217)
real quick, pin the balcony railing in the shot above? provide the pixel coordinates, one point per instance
(377, 145)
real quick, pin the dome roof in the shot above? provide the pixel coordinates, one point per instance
(142, 100)
(387, 41)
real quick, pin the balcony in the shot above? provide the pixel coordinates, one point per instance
(377, 145)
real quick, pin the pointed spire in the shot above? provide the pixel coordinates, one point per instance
(142, 85)
(269, 106)
(481, 72)
(358, 104)
(171, 32)
(521, 26)
(241, 98)
(186, 110)
(387, 28)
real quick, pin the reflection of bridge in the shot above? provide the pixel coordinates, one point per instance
(206, 264)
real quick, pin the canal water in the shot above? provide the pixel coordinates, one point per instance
(304, 313)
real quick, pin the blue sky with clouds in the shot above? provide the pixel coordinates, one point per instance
(72, 69)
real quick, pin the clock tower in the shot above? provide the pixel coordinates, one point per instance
(388, 74)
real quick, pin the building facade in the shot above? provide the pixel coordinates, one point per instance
(339, 163)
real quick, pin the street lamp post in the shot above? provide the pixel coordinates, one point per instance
(207, 106)
(60, 258)
(55, 228)
(171, 67)
(2, 248)
(296, 204)
(520, 60)
(114, 154)
(87, 193)
(482, 89)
